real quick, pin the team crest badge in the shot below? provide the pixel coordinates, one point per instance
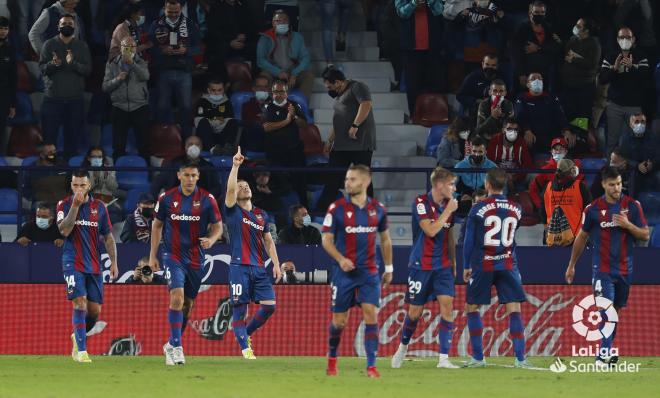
(175, 204)
(94, 211)
(372, 213)
(349, 214)
(195, 203)
(602, 212)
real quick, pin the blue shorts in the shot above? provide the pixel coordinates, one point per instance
(507, 283)
(250, 283)
(79, 284)
(615, 288)
(179, 276)
(425, 286)
(354, 288)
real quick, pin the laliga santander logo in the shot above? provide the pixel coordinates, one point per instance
(588, 321)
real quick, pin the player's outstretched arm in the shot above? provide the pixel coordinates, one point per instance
(232, 181)
(272, 253)
(578, 247)
(156, 235)
(386, 249)
(111, 249)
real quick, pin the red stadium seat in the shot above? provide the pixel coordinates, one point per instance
(311, 138)
(25, 80)
(431, 109)
(529, 216)
(166, 141)
(239, 75)
(24, 140)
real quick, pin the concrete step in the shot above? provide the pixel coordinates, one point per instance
(401, 232)
(353, 39)
(313, 23)
(351, 54)
(398, 197)
(379, 101)
(382, 116)
(388, 132)
(409, 161)
(415, 181)
(311, 8)
(396, 148)
(376, 84)
(358, 70)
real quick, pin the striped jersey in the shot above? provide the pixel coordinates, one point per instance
(490, 234)
(355, 230)
(429, 253)
(612, 244)
(186, 219)
(82, 248)
(246, 235)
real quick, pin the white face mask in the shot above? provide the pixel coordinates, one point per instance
(625, 44)
(193, 151)
(42, 223)
(261, 95)
(536, 86)
(511, 135)
(639, 129)
(464, 134)
(576, 31)
(558, 156)
(279, 103)
(140, 20)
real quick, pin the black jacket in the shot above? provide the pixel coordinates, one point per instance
(8, 76)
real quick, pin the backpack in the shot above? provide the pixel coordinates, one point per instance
(559, 230)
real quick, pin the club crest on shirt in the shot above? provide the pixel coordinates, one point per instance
(259, 217)
(602, 212)
(175, 204)
(372, 213)
(349, 214)
(93, 211)
(195, 203)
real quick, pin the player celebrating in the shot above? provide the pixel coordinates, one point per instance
(183, 215)
(251, 244)
(617, 220)
(349, 237)
(489, 254)
(81, 219)
(432, 264)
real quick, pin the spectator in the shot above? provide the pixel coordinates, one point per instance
(42, 229)
(48, 184)
(618, 160)
(137, 226)
(643, 147)
(49, 23)
(267, 194)
(535, 47)
(232, 35)
(331, 9)
(132, 25)
(581, 59)
(126, 77)
(104, 182)
(289, 7)
(289, 273)
(299, 232)
(254, 136)
(509, 151)
(541, 116)
(453, 144)
(175, 38)
(475, 86)
(28, 11)
(144, 275)
(568, 193)
(478, 195)
(282, 120)
(214, 122)
(470, 182)
(421, 44)
(483, 32)
(208, 177)
(493, 111)
(281, 53)
(8, 78)
(352, 138)
(627, 72)
(65, 63)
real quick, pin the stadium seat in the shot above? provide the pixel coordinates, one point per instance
(431, 109)
(529, 216)
(253, 155)
(8, 203)
(289, 200)
(655, 236)
(222, 161)
(239, 75)
(311, 138)
(3, 161)
(166, 141)
(591, 164)
(131, 179)
(76, 161)
(132, 197)
(434, 138)
(298, 97)
(29, 161)
(651, 205)
(238, 99)
(25, 81)
(24, 111)
(24, 140)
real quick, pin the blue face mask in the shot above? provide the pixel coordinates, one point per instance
(140, 20)
(96, 162)
(261, 95)
(282, 29)
(536, 86)
(43, 223)
(307, 220)
(216, 98)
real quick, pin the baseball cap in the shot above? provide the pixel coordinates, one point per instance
(559, 141)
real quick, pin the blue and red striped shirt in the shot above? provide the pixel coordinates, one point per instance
(355, 230)
(246, 235)
(490, 235)
(186, 219)
(82, 248)
(612, 244)
(429, 253)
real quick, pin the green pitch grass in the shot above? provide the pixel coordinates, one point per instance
(49, 376)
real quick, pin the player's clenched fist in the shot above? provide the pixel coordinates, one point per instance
(78, 199)
(452, 205)
(570, 274)
(346, 265)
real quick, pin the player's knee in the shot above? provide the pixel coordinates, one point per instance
(269, 309)
(414, 312)
(339, 322)
(93, 312)
(187, 306)
(471, 307)
(176, 301)
(80, 303)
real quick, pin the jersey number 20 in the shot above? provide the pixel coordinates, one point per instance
(505, 228)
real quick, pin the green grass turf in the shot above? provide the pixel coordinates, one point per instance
(51, 376)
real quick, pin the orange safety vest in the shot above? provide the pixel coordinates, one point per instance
(570, 200)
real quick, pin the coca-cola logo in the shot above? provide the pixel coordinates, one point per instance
(126, 345)
(215, 327)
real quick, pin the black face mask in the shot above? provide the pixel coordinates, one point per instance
(490, 72)
(148, 212)
(291, 277)
(477, 159)
(538, 19)
(66, 30)
(333, 93)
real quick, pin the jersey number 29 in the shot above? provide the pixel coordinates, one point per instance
(505, 228)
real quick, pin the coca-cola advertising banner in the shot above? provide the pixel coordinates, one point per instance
(133, 321)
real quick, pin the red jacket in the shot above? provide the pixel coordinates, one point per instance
(540, 182)
(513, 157)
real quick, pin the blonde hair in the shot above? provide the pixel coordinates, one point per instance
(440, 174)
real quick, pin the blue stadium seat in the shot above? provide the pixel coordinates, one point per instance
(316, 159)
(9, 203)
(3, 161)
(655, 236)
(131, 179)
(297, 96)
(106, 139)
(132, 197)
(29, 161)
(651, 205)
(76, 161)
(252, 155)
(222, 161)
(24, 111)
(591, 164)
(237, 101)
(290, 199)
(433, 139)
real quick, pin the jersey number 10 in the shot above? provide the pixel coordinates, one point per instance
(505, 228)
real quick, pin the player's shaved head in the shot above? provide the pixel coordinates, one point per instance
(496, 178)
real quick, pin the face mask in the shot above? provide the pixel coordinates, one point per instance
(576, 31)
(333, 93)
(538, 19)
(140, 20)
(216, 97)
(193, 151)
(558, 156)
(261, 95)
(280, 104)
(50, 158)
(477, 159)
(282, 28)
(290, 277)
(147, 212)
(618, 166)
(307, 220)
(625, 44)
(464, 134)
(96, 162)
(43, 223)
(66, 30)
(536, 86)
(490, 72)
(511, 135)
(639, 129)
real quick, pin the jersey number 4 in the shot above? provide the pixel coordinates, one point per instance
(504, 228)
